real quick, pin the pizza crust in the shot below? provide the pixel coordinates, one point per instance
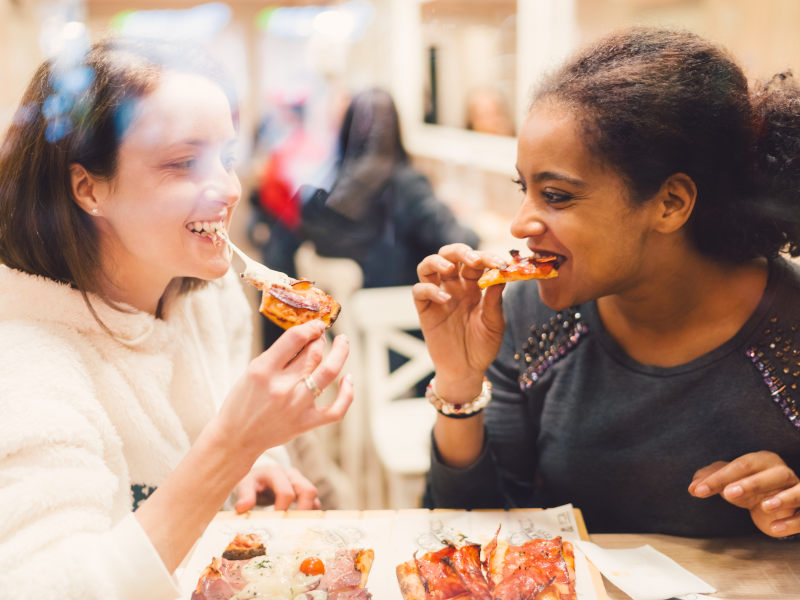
(411, 586)
(410, 583)
(497, 276)
(495, 561)
(363, 563)
(521, 269)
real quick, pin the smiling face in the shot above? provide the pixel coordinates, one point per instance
(578, 208)
(174, 172)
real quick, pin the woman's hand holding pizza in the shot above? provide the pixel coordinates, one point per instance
(463, 327)
(760, 482)
(274, 401)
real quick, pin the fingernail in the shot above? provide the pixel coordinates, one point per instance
(733, 491)
(473, 256)
(702, 490)
(349, 378)
(443, 295)
(771, 503)
(778, 527)
(444, 263)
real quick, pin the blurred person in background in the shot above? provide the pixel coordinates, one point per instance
(131, 408)
(487, 112)
(292, 156)
(380, 212)
(654, 382)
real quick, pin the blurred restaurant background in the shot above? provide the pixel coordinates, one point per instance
(460, 72)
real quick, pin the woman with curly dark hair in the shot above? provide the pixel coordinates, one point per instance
(653, 382)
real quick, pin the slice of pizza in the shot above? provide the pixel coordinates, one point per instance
(536, 266)
(543, 569)
(250, 572)
(452, 573)
(244, 546)
(346, 575)
(296, 303)
(284, 300)
(219, 580)
(536, 570)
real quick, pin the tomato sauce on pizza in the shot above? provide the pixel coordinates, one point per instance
(299, 302)
(536, 570)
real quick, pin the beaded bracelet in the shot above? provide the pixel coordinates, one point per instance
(459, 411)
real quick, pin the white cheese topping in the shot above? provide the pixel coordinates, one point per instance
(279, 578)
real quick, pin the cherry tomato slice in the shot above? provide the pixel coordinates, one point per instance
(312, 566)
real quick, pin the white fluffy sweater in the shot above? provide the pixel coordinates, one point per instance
(86, 419)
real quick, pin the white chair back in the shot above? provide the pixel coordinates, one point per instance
(344, 442)
(339, 277)
(399, 421)
(383, 443)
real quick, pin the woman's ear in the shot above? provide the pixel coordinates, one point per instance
(84, 189)
(676, 199)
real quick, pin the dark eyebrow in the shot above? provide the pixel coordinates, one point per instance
(552, 175)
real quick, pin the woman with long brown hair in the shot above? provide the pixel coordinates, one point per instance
(126, 383)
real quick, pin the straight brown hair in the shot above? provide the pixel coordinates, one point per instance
(78, 114)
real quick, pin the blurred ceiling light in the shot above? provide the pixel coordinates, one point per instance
(295, 21)
(58, 38)
(198, 23)
(346, 22)
(73, 30)
(337, 24)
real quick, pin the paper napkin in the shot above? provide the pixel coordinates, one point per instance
(644, 573)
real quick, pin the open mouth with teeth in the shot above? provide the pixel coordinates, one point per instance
(208, 229)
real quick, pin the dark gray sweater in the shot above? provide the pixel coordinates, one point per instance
(574, 419)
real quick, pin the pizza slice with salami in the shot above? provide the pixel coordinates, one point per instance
(447, 574)
(247, 571)
(536, 570)
(284, 300)
(536, 266)
(298, 302)
(544, 569)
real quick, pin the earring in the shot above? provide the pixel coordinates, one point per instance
(95, 212)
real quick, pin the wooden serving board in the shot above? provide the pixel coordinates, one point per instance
(394, 535)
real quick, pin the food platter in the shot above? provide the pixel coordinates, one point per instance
(393, 535)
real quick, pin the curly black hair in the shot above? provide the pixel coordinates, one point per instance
(653, 102)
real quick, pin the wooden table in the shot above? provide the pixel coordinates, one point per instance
(751, 568)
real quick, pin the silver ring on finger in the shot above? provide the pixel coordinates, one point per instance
(312, 385)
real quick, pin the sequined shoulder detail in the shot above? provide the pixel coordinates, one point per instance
(777, 358)
(549, 343)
